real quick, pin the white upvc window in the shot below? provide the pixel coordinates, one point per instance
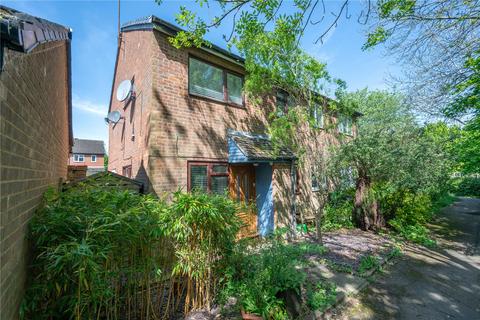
(78, 158)
(94, 158)
(345, 125)
(318, 120)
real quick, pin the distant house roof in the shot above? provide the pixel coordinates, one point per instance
(153, 22)
(84, 146)
(258, 147)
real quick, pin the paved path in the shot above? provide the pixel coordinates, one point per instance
(443, 283)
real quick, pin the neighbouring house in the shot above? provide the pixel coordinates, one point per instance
(36, 135)
(88, 153)
(179, 120)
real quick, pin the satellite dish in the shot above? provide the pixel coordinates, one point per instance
(113, 117)
(124, 90)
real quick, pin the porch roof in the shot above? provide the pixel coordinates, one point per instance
(249, 147)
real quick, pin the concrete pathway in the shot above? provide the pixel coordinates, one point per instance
(443, 283)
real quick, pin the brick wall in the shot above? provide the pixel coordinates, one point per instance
(185, 127)
(172, 127)
(33, 152)
(128, 139)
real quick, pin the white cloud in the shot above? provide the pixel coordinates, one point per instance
(89, 106)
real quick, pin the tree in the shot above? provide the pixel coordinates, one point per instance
(391, 150)
(438, 43)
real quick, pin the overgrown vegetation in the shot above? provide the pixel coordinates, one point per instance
(368, 263)
(322, 295)
(108, 253)
(258, 275)
(466, 186)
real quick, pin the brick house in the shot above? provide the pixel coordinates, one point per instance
(186, 124)
(89, 153)
(36, 135)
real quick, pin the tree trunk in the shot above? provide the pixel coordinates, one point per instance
(318, 224)
(366, 215)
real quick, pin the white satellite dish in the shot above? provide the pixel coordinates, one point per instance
(113, 117)
(124, 90)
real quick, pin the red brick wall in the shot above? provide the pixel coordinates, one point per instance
(34, 153)
(128, 139)
(176, 127)
(88, 161)
(185, 127)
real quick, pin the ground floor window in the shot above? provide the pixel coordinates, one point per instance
(208, 177)
(127, 171)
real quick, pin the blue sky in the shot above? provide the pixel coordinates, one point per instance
(94, 25)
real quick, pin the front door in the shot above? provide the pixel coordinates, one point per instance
(242, 189)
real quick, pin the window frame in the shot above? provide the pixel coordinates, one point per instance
(225, 71)
(91, 158)
(341, 125)
(124, 170)
(79, 155)
(316, 125)
(210, 173)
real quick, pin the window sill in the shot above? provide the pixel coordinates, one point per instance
(230, 104)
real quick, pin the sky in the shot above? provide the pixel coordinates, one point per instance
(94, 26)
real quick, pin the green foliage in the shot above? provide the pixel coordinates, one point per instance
(256, 275)
(322, 296)
(98, 251)
(337, 213)
(407, 208)
(368, 263)
(203, 228)
(395, 252)
(86, 240)
(467, 186)
(416, 233)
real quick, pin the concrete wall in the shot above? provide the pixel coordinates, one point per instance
(33, 153)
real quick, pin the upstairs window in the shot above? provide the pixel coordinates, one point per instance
(94, 158)
(213, 82)
(317, 114)
(283, 101)
(345, 125)
(208, 177)
(78, 158)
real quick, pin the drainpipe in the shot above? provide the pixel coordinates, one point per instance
(293, 224)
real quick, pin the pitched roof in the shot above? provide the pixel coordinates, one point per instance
(153, 22)
(23, 32)
(84, 146)
(259, 147)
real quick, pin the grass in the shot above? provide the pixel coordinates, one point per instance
(367, 263)
(322, 296)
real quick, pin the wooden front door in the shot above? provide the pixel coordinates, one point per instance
(242, 189)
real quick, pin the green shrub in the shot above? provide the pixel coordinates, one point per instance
(322, 296)
(256, 275)
(407, 207)
(337, 212)
(467, 186)
(92, 248)
(367, 263)
(203, 227)
(99, 252)
(416, 233)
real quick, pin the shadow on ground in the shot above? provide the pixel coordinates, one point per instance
(441, 283)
